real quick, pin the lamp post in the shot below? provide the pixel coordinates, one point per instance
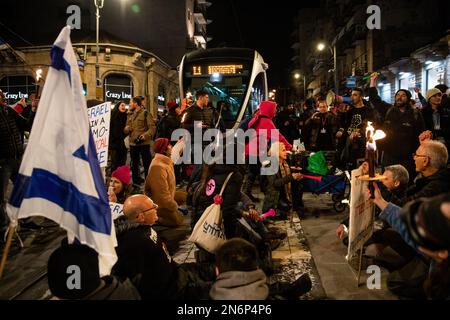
(296, 77)
(321, 46)
(98, 6)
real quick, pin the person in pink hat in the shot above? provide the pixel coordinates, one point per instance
(120, 184)
(160, 185)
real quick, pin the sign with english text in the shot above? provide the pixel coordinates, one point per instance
(99, 120)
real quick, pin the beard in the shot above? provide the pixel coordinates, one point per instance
(401, 104)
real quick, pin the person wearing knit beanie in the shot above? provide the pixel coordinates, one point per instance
(432, 92)
(162, 146)
(160, 185)
(171, 105)
(119, 185)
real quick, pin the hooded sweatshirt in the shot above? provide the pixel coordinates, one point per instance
(263, 121)
(240, 285)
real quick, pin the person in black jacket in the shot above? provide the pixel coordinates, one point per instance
(91, 285)
(437, 116)
(117, 147)
(11, 150)
(322, 127)
(353, 128)
(144, 258)
(168, 123)
(402, 125)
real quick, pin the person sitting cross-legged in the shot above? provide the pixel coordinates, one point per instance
(144, 258)
(69, 259)
(240, 278)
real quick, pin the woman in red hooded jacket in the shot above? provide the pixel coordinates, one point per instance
(264, 129)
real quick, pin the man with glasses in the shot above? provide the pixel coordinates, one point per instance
(433, 175)
(144, 259)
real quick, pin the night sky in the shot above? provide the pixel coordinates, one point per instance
(264, 26)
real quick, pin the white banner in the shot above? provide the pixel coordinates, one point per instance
(361, 214)
(116, 210)
(99, 120)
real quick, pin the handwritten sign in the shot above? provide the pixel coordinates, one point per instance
(116, 210)
(99, 120)
(361, 214)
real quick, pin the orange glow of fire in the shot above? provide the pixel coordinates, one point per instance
(372, 136)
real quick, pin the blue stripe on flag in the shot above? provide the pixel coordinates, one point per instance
(88, 210)
(58, 61)
(97, 174)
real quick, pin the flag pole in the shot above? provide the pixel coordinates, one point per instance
(11, 231)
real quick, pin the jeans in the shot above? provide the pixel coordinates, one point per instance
(136, 152)
(9, 169)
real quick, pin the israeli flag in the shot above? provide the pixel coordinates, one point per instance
(60, 177)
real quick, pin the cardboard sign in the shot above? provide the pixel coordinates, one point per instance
(99, 120)
(116, 210)
(361, 214)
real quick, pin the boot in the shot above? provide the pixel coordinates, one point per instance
(292, 291)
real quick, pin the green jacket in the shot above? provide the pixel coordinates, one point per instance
(141, 122)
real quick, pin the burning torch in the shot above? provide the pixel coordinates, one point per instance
(371, 152)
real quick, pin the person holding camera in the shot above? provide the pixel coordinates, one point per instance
(141, 129)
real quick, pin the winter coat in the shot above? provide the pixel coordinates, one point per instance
(444, 114)
(11, 125)
(240, 285)
(195, 113)
(141, 122)
(116, 134)
(160, 186)
(278, 187)
(167, 125)
(115, 290)
(427, 187)
(263, 121)
(143, 259)
(231, 196)
(318, 140)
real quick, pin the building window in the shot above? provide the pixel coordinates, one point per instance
(435, 75)
(407, 81)
(161, 98)
(118, 87)
(17, 87)
(385, 92)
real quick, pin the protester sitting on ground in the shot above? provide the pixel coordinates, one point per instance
(161, 186)
(89, 285)
(425, 225)
(434, 177)
(279, 193)
(394, 186)
(120, 185)
(240, 278)
(143, 257)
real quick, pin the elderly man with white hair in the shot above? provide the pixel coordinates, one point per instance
(431, 164)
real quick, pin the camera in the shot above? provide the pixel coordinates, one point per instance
(138, 140)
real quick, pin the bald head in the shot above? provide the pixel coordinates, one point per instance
(141, 209)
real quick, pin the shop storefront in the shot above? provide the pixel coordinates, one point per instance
(407, 81)
(17, 87)
(118, 87)
(435, 74)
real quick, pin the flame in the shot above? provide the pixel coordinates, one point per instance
(372, 136)
(38, 74)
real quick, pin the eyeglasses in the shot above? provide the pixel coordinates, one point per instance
(155, 206)
(419, 155)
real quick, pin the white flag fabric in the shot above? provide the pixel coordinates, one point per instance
(60, 177)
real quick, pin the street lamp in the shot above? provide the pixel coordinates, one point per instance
(98, 6)
(296, 77)
(321, 46)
